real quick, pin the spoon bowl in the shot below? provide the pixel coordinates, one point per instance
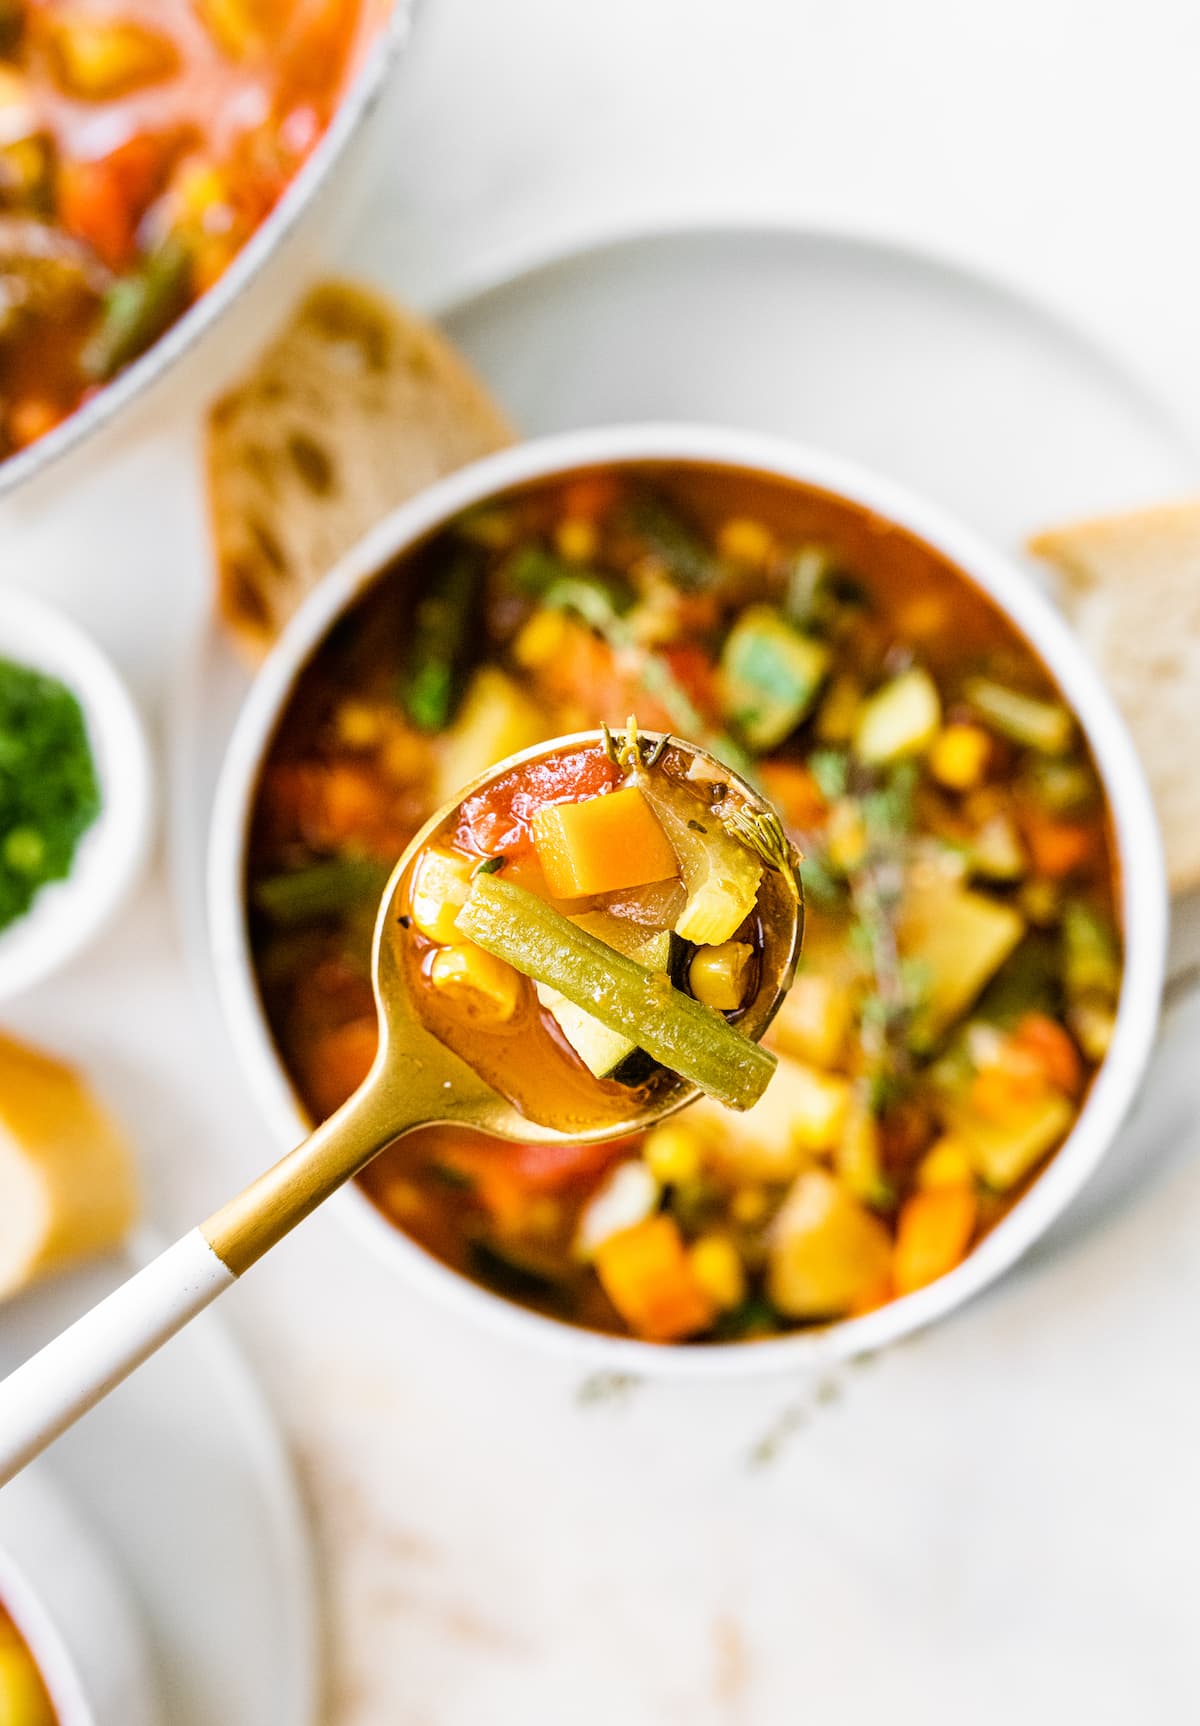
(414, 1081)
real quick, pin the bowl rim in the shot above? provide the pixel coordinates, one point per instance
(67, 916)
(359, 98)
(1142, 881)
(73, 1608)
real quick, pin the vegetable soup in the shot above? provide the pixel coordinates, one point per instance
(141, 144)
(961, 963)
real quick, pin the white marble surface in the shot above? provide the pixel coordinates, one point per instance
(999, 1519)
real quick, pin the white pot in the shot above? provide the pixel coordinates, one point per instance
(1142, 885)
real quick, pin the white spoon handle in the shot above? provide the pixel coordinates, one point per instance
(46, 1395)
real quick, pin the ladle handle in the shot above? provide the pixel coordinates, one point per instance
(78, 1368)
(75, 1371)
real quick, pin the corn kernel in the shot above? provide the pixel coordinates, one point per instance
(945, 1164)
(101, 58)
(741, 539)
(439, 891)
(672, 1154)
(837, 715)
(576, 539)
(481, 987)
(749, 1206)
(358, 725)
(959, 756)
(718, 1268)
(541, 639)
(847, 836)
(717, 975)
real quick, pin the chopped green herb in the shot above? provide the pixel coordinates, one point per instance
(49, 793)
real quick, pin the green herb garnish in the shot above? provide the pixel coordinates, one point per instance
(49, 792)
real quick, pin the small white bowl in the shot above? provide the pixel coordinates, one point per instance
(66, 915)
(1143, 887)
(72, 1610)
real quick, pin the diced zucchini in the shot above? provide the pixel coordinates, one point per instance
(996, 851)
(1002, 1152)
(899, 720)
(720, 876)
(769, 676)
(1046, 726)
(496, 719)
(1091, 962)
(959, 939)
(857, 1156)
(602, 1050)
(827, 1250)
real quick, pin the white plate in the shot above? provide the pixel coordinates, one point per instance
(969, 393)
(182, 1473)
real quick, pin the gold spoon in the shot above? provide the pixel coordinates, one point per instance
(415, 1081)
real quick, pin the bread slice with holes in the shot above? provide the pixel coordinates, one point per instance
(1131, 586)
(354, 407)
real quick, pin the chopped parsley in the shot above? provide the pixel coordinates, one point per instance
(49, 792)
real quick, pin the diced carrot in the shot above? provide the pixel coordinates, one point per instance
(1054, 1049)
(871, 1298)
(1003, 1089)
(101, 201)
(646, 1273)
(932, 1235)
(1058, 848)
(338, 1062)
(591, 496)
(500, 818)
(349, 804)
(795, 792)
(602, 845)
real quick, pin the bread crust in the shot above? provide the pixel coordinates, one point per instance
(1130, 584)
(353, 408)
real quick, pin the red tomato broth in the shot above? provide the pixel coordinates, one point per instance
(916, 606)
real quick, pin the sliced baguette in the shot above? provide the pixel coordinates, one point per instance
(67, 1185)
(353, 408)
(1131, 586)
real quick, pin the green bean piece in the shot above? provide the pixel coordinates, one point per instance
(676, 1031)
(326, 889)
(1046, 726)
(674, 543)
(138, 308)
(434, 675)
(595, 594)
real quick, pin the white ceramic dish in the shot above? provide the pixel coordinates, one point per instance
(183, 1478)
(1144, 899)
(73, 1610)
(67, 915)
